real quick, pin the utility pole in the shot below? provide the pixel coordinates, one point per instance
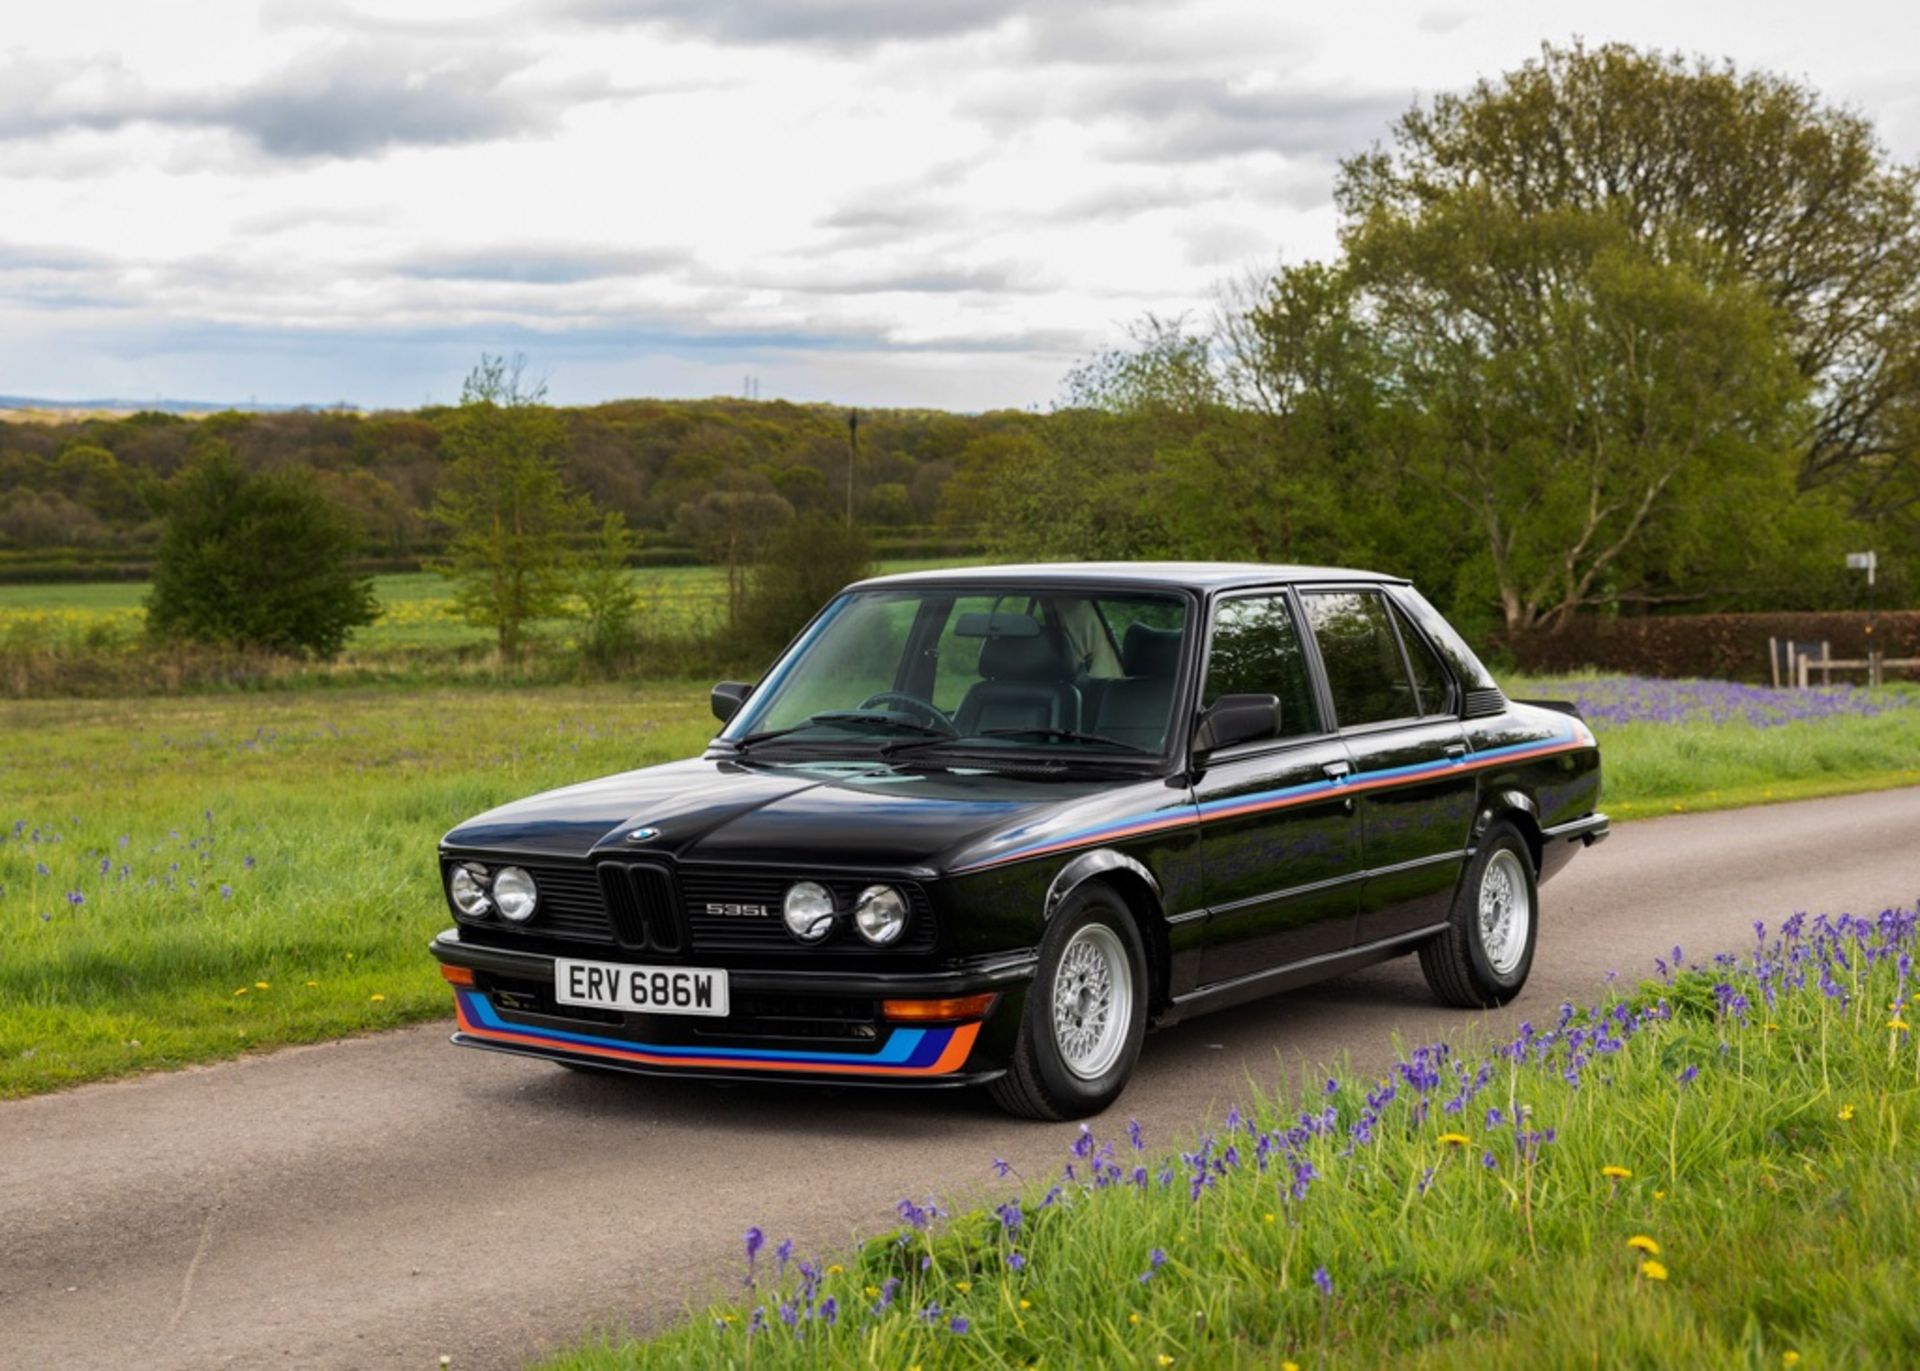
(853, 452)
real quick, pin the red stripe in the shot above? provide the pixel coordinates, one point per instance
(1263, 806)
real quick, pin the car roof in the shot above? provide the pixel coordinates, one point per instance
(1187, 575)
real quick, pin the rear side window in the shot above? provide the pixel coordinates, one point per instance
(1256, 651)
(1365, 671)
(1429, 677)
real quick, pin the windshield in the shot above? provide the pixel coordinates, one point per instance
(948, 666)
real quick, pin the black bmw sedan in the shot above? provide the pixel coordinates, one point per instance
(986, 826)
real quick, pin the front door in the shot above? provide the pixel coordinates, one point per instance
(1279, 839)
(1396, 709)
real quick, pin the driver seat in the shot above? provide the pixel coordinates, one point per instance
(1023, 685)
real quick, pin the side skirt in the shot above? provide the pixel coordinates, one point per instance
(1239, 990)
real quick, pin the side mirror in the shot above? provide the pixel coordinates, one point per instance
(727, 698)
(1237, 719)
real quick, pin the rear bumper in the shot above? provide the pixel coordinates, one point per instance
(1559, 843)
(932, 1054)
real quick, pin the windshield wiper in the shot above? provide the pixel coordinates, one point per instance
(848, 716)
(1066, 735)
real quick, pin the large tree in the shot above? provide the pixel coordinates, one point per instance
(1743, 179)
(505, 503)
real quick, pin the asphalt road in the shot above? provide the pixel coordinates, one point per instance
(382, 1201)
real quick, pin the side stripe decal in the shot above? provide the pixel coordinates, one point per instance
(907, 1052)
(1574, 735)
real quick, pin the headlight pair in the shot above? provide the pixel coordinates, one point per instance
(476, 892)
(879, 913)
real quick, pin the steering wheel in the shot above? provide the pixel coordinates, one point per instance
(912, 705)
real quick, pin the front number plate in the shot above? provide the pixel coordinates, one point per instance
(641, 989)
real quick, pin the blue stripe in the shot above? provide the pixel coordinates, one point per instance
(900, 1049)
(1212, 807)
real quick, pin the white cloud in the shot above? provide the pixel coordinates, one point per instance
(880, 201)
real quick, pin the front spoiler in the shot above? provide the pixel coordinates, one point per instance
(932, 1055)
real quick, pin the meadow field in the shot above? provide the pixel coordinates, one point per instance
(1713, 1170)
(186, 878)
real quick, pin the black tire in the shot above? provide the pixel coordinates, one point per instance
(1039, 1083)
(1457, 963)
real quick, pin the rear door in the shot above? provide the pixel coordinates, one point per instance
(1395, 706)
(1280, 846)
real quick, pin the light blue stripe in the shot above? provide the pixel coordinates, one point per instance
(1211, 807)
(900, 1042)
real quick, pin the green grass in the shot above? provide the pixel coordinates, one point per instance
(1692, 766)
(339, 795)
(277, 838)
(1773, 1198)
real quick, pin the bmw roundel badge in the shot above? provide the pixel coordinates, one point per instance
(642, 835)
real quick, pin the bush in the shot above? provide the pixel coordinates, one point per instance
(256, 562)
(802, 566)
(1729, 647)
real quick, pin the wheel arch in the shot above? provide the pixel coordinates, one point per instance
(1517, 808)
(1139, 890)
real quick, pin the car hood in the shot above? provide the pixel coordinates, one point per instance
(840, 814)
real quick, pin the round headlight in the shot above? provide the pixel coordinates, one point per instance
(880, 914)
(809, 912)
(513, 891)
(467, 888)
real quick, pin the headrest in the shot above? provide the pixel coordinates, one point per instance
(1148, 651)
(1019, 659)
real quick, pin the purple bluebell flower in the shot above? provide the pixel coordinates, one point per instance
(1002, 1167)
(1686, 1077)
(1323, 1280)
(1135, 1136)
(959, 1324)
(1016, 1261)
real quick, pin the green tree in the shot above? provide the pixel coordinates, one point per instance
(603, 588)
(803, 564)
(1742, 179)
(729, 528)
(255, 561)
(506, 504)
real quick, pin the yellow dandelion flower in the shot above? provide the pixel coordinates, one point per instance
(1846, 1113)
(728, 1317)
(1616, 1173)
(1289, 1366)
(835, 1269)
(1897, 1025)
(1640, 1242)
(1133, 1318)
(261, 985)
(1771, 1027)
(1454, 1139)
(1789, 1358)
(963, 1286)
(312, 984)
(873, 1292)
(1026, 1304)
(377, 998)
(1267, 1218)
(1164, 1359)
(1653, 1270)
(1659, 1194)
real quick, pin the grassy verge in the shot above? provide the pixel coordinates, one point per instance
(186, 879)
(1675, 747)
(1717, 1170)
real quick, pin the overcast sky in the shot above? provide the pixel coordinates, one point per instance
(940, 202)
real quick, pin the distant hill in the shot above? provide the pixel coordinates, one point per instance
(20, 407)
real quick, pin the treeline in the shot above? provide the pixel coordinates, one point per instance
(1612, 334)
(90, 495)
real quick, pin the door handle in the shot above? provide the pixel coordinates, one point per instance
(1337, 771)
(1455, 751)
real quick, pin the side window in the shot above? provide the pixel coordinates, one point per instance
(1365, 671)
(1256, 651)
(1429, 677)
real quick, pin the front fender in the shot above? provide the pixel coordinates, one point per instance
(1089, 865)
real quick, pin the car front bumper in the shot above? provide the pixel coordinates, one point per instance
(502, 1003)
